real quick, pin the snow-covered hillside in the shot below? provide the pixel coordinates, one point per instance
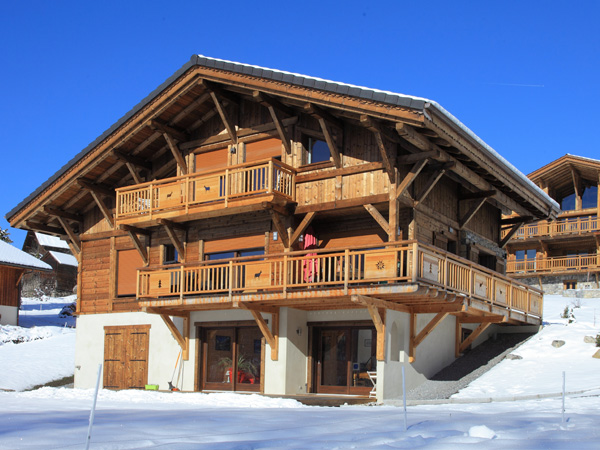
(53, 418)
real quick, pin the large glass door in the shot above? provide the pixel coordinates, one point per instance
(231, 359)
(344, 358)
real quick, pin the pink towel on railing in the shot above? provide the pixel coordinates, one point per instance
(310, 265)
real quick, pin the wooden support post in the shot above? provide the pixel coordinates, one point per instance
(71, 234)
(378, 218)
(271, 336)
(275, 107)
(326, 122)
(97, 191)
(378, 317)
(464, 220)
(170, 229)
(303, 225)
(410, 177)
(474, 335)
(437, 176)
(182, 339)
(510, 234)
(281, 228)
(133, 235)
(437, 319)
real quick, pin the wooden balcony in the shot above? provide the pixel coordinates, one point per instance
(228, 191)
(568, 226)
(406, 273)
(554, 265)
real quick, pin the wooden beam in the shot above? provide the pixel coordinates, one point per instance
(410, 177)
(326, 121)
(97, 188)
(275, 107)
(179, 159)
(64, 214)
(477, 195)
(45, 228)
(271, 336)
(132, 159)
(431, 184)
(378, 218)
(471, 212)
(350, 203)
(494, 318)
(388, 153)
(182, 340)
(303, 225)
(229, 125)
(281, 228)
(136, 242)
(378, 318)
(170, 229)
(462, 171)
(378, 303)
(514, 220)
(416, 157)
(510, 234)
(426, 331)
(71, 234)
(474, 335)
(163, 128)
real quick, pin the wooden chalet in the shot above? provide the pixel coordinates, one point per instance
(564, 253)
(256, 230)
(55, 252)
(14, 264)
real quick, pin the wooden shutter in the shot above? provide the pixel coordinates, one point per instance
(128, 261)
(234, 243)
(214, 160)
(267, 148)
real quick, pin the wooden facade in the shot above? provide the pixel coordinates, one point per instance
(563, 253)
(236, 190)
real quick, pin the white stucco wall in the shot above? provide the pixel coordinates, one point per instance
(163, 349)
(432, 355)
(9, 315)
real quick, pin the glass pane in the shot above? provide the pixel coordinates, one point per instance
(249, 353)
(334, 359)
(219, 356)
(363, 356)
(318, 151)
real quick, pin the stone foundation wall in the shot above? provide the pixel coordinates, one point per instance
(555, 284)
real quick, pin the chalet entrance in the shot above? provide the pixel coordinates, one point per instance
(344, 355)
(126, 356)
(231, 358)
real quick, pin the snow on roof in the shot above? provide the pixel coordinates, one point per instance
(64, 258)
(46, 240)
(12, 256)
(585, 158)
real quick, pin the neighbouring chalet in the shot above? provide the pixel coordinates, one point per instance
(561, 254)
(285, 234)
(14, 264)
(55, 252)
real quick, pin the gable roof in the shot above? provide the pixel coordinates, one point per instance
(510, 183)
(559, 174)
(45, 240)
(12, 256)
(64, 258)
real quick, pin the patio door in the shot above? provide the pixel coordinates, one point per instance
(232, 358)
(344, 356)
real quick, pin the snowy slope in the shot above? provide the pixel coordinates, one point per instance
(51, 418)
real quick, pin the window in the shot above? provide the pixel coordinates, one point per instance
(170, 255)
(316, 149)
(570, 285)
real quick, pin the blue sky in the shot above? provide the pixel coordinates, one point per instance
(523, 75)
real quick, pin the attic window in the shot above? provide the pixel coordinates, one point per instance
(317, 149)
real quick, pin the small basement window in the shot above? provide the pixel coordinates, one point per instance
(570, 285)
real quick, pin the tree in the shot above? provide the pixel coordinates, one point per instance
(5, 236)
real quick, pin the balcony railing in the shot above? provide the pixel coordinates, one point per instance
(554, 264)
(567, 226)
(204, 188)
(404, 262)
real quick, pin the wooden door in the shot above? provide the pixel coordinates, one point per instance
(126, 356)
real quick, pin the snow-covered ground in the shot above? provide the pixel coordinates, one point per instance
(57, 418)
